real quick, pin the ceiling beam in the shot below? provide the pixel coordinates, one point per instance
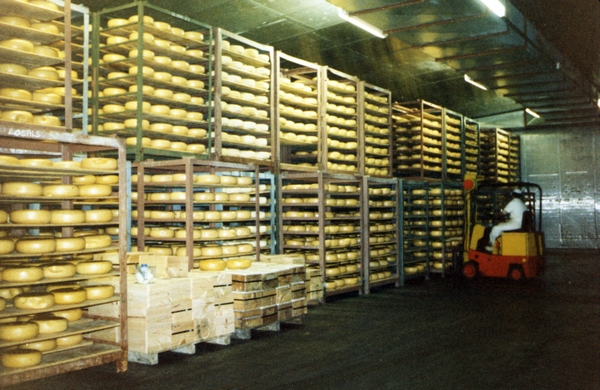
(385, 7)
(537, 93)
(525, 85)
(517, 75)
(557, 126)
(559, 106)
(500, 66)
(437, 23)
(480, 54)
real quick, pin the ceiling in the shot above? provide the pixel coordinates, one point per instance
(543, 55)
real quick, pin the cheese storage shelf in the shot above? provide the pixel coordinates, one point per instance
(376, 137)
(514, 160)
(151, 68)
(495, 155)
(37, 43)
(453, 150)
(191, 201)
(380, 239)
(418, 140)
(299, 115)
(414, 229)
(471, 154)
(320, 218)
(242, 109)
(24, 148)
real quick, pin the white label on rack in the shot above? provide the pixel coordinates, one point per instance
(25, 133)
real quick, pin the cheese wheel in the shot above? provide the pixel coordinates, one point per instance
(212, 265)
(42, 346)
(245, 248)
(68, 341)
(58, 270)
(46, 120)
(238, 263)
(20, 358)
(48, 324)
(15, 21)
(35, 162)
(41, 217)
(94, 267)
(229, 250)
(69, 295)
(10, 293)
(211, 250)
(3, 216)
(70, 244)
(36, 246)
(18, 331)
(162, 233)
(41, 73)
(18, 44)
(22, 189)
(107, 179)
(9, 160)
(17, 116)
(208, 179)
(70, 314)
(13, 69)
(99, 163)
(99, 291)
(61, 190)
(204, 196)
(95, 190)
(98, 241)
(22, 274)
(98, 215)
(33, 300)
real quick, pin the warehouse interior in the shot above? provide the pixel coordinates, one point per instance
(361, 149)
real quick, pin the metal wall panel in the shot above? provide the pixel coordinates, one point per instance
(566, 165)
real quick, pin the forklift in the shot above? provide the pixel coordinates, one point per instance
(516, 254)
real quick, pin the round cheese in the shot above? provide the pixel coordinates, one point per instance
(85, 179)
(70, 244)
(10, 293)
(212, 265)
(36, 246)
(58, 270)
(211, 250)
(18, 44)
(70, 314)
(98, 215)
(41, 217)
(33, 301)
(69, 296)
(46, 120)
(20, 358)
(94, 267)
(99, 163)
(22, 189)
(98, 241)
(208, 179)
(50, 324)
(68, 341)
(95, 190)
(17, 116)
(42, 346)
(22, 274)
(13, 69)
(99, 291)
(245, 248)
(61, 190)
(238, 263)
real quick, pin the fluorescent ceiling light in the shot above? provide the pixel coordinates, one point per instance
(361, 24)
(532, 113)
(496, 7)
(470, 81)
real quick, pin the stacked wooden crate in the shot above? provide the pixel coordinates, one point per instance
(314, 286)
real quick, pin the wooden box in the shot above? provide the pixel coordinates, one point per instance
(166, 267)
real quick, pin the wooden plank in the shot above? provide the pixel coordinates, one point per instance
(258, 312)
(256, 285)
(243, 305)
(246, 295)
(284, 294)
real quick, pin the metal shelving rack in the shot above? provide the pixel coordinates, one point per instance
(380, 239)
(375, 130)
(414, 229)
(495, 155)
(514, 160)
(23, 141)
(320, 217)
(471, 146)
(158, 100)
(192, 195)
(243, 104)
(453, 150)
(299, 115)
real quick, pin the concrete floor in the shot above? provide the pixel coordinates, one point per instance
(440, 334)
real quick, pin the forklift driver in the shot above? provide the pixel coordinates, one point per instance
(514, 210)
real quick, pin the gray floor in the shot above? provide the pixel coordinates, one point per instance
(440, 334)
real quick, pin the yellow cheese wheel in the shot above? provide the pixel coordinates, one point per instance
(2, 304)
(94, 267)
(41, 217)
(17, 116)
(48, 323)
(46, 120)
(212, 265)
(33, 300)
(98, 241)
(46, 51)
(18, 44)
(99, 291)
(99, 163)
(107, 179)
(238, 263)
(95, 190)
(208, 234)
(208, 179)
(212, 215)
(35, 162)
(70, 244)
(69, 296)
(98, 215)
(245, 248)
(47, 73)
(211, 250)
(35, 245)
(22, 274)
(61, 190)
(15, 21)
(230, 250)
(13, 69)
(85, 179)
(70, 314)
(45, 4)
(18, 331)
(58, 270)
(67, 216)
(22, 189)
(10, 293)
(20, 358)
(68, 341)
(9, 160)
(42, 346)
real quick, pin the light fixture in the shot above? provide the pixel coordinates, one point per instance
(532, 113)
(361, 24)
(475, 83)
(496, 7)
(598, 102)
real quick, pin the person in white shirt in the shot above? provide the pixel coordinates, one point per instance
(514, 209)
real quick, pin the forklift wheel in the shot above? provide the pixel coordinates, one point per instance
(516, 273)
(470, 269)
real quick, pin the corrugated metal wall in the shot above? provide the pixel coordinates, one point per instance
(567, 167)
